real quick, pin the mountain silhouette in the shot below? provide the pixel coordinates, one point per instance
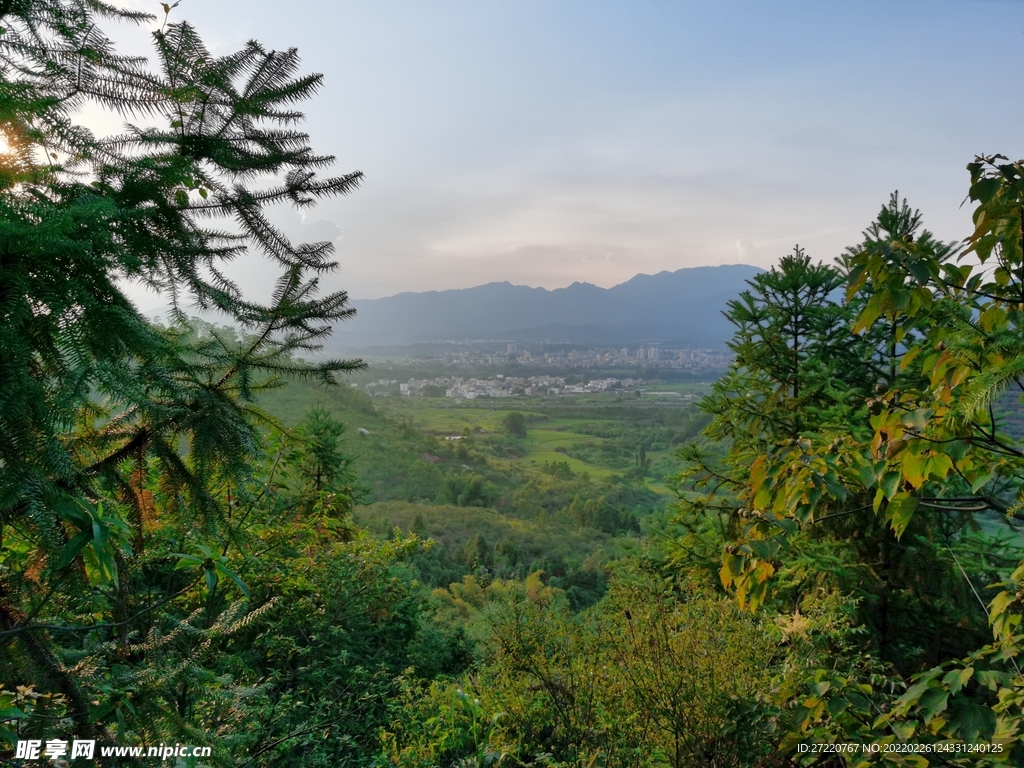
(682, 307)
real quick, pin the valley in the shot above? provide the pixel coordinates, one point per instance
(570, 492)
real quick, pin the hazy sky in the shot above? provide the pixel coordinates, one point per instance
(544, 142)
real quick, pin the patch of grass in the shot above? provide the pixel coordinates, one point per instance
(599, 438)
(544, 434)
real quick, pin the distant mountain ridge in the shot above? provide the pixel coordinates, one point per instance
(682, 307)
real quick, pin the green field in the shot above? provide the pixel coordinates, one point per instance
(616, 427)
(545, 438)
(599, 462)
(563, 499)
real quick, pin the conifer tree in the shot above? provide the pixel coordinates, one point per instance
(794, 349)
(797, 484)
(864, 480)
(108, 420)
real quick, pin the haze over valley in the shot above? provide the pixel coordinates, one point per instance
(682, 309)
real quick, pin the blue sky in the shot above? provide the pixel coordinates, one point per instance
(545, 142)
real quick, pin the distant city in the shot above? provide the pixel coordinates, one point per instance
(645, 357)
(654, 360)
(460, 388)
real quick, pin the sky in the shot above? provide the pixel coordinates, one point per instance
(550, 141)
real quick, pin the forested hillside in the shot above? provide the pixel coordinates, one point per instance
(208, 541)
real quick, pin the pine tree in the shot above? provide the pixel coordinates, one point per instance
(797, 484)
(794, 350)
(98, 406)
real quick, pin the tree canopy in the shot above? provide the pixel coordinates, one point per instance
(131, 452)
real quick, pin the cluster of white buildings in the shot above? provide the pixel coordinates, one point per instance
(658, 357)
(511, 386)
(650, 356)
(461, 388)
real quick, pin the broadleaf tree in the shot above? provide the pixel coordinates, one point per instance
(865, 481)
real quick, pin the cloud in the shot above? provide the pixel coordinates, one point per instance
(316, 230)
(752, 252)
(302, 227)
(530, 143)
(747, 250)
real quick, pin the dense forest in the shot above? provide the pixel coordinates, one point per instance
(207, 538)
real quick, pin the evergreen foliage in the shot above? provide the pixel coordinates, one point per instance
(126, 446)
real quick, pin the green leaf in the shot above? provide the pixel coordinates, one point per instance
(821, 688)
(837, 706)
(234, 577)
(858, 701)
(992, 679)
(890, 483)
(904, 730)
(973, 722)
(900, 512)
(788, 525)
(957, 678)
(932, 702)
(187, 561)
(211, 578)
(920, 271)
(74, 512)
(914, 469)
(983, 191)
(980, 482)
(765, 550)
(9, 736)
(73, 548)
(871, 312)
(1000, 602)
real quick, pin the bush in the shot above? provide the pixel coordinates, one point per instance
(515, 424)
(657, 674)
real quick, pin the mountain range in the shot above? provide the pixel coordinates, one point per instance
(682, 308)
